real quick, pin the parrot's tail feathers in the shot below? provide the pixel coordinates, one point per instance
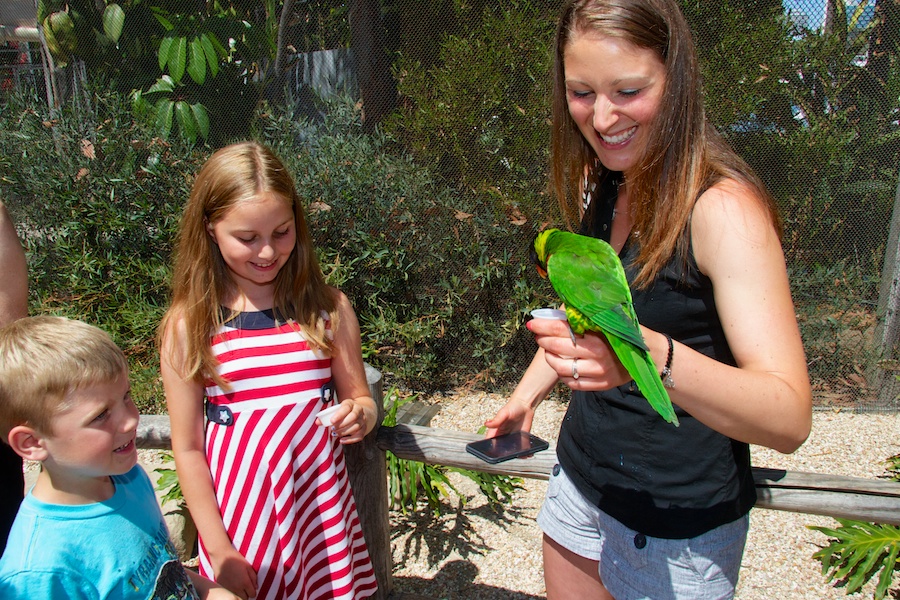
(642, 368)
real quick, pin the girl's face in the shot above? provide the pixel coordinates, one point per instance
(614, 90)
(256, 238)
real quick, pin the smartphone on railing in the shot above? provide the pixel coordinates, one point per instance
(507, 446)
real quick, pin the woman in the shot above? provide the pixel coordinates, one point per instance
(13, 306)
(637, 508)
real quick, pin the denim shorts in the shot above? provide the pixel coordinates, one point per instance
(635, 566)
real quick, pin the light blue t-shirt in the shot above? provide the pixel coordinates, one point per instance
(117, 549)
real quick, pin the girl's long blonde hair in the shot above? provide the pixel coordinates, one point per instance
(685, 155)
(201, 280)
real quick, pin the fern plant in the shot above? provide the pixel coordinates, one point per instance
(858, 551)
(409, 480)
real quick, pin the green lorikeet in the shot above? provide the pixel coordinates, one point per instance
(588, 276)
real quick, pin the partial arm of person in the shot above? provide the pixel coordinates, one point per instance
(766, 399)
(209, 590)
(537, 381)
(14, 294)
(184, 399)
(357, 415)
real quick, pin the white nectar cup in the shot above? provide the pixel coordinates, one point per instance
(549, 313)
(326, 414)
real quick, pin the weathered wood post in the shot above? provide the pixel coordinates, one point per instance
(367, 469)
(888, 314)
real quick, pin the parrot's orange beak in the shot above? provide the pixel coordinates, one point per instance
(541, 267)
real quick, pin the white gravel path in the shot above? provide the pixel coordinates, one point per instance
(471, 552)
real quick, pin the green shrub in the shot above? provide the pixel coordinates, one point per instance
(479, 117)
(858, 551)
(441, 285)
(96, 201)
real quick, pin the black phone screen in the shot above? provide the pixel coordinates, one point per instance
(507, 446)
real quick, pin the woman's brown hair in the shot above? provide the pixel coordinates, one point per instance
(685, 155)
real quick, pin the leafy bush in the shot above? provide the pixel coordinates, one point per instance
(479, 117)
(96, 201)
(441, 284)
(827, 144)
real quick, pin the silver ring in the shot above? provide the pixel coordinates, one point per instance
(574, 368)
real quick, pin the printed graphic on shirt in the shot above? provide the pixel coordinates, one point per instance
(173, 583)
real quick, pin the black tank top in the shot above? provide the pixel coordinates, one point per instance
(655, 478)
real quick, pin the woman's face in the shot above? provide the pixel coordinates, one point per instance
(614, 90)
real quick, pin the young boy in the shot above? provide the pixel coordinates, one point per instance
(91, 526)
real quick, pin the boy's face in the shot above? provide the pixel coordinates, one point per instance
(94, 436)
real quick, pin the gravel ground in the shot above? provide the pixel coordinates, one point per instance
(473, 552)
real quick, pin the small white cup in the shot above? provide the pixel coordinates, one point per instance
(326, 414)
(549, 313)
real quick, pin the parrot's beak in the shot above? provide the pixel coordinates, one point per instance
(541, 267)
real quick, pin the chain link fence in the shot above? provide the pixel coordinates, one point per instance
(424, 212)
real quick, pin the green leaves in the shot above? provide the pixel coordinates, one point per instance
(409, 480)
(197, 65)
(78, 30)
(191, 120)
(178, 55)
(173, 56)
(196, 55)
(113, 22)
(857, 552)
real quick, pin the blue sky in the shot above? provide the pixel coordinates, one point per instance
(814, 9)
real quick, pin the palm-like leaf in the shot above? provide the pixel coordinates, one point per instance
(857, 551)
(407, 479)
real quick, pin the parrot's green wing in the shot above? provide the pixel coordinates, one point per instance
(588, 277)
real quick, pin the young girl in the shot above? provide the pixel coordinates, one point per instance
(637, 508)
(251, 347)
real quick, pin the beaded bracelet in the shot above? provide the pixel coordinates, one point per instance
(666, 374)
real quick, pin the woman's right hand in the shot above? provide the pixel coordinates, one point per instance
(233, 572)
(517, 415)
(514, 416)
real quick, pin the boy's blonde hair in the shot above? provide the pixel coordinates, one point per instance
(43, 359)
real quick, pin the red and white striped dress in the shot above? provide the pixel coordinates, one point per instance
(280, 479)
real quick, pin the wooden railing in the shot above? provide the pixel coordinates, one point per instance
(813, 493)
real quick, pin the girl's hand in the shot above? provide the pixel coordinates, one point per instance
(351, 421)
(233, 572)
